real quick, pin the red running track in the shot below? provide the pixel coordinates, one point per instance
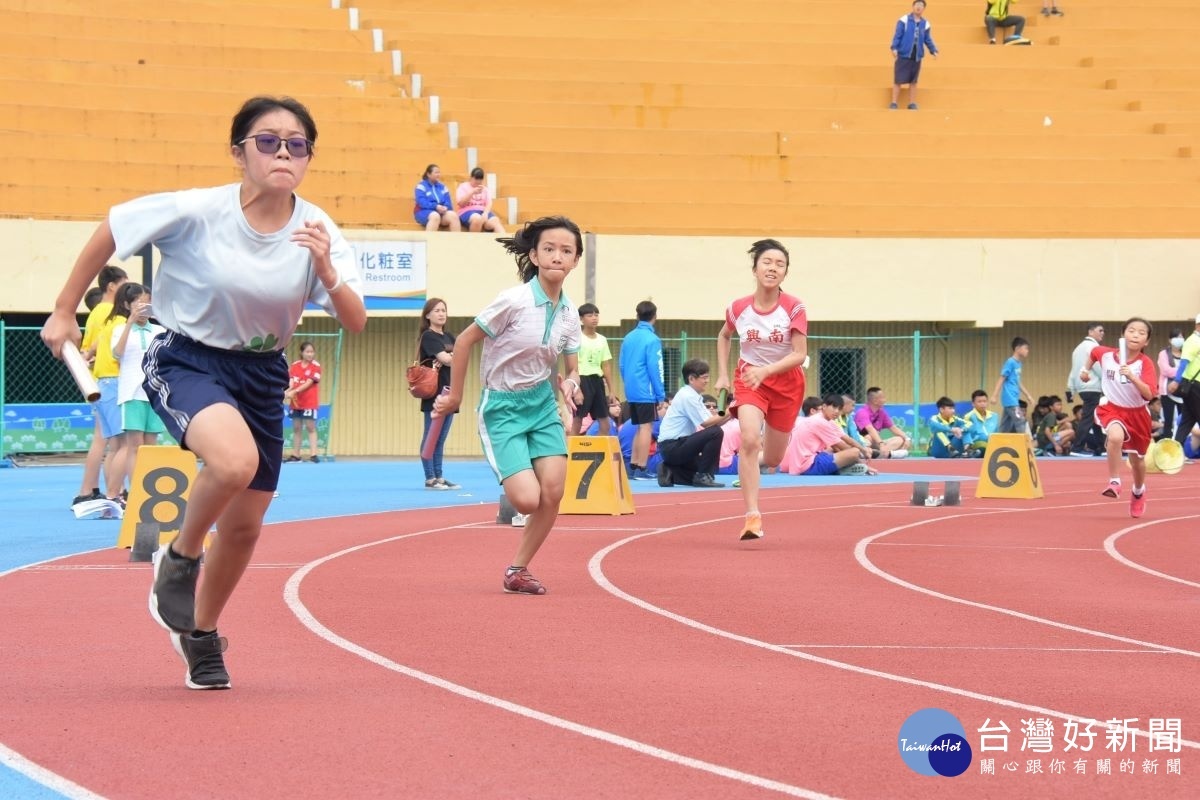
(375, 656)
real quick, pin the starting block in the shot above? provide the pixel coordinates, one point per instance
(506, 512)
(951, 496)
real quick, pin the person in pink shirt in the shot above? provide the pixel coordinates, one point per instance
(813, 434)
(474, 201)
(1168, 359)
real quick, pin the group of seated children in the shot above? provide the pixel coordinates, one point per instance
(952, 436)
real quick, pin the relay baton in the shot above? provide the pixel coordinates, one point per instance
(722, 401)
(1124, 357)
(435, 432)
(80, 372)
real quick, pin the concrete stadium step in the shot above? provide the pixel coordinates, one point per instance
(184, 126)
(1019, 220)
(916, 194)
(300, 15)
(337, 157)
(473, 111)
(168, 177)
(518, 170)
(801, 144)
(287, 79)
(219, 32)
(738, 75)
(221, 103)
(352, 58)
(792, 95)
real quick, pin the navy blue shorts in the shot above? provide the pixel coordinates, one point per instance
(184, 377)
(907, 70)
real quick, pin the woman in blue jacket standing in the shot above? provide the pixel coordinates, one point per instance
(908, 48)
(434, 209)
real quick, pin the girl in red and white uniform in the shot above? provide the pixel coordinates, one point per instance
(768, 385)
(1123, 413)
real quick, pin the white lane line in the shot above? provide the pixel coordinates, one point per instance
(39, 774)
(971, 648)
(596, 570)
(860, 555)
(991, 546)
(291, 596)
(1110, 547)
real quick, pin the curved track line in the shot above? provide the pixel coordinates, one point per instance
(596, 570)
(1110, 547)
(39, 774)
(18, 763)
(291, 596)
(860, 555)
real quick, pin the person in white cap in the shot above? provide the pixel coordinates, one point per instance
(1183, 385)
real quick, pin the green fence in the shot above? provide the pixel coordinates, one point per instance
(40, 408)
(41, 411)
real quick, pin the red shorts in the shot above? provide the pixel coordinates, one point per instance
(779, 397)
(1135, 421)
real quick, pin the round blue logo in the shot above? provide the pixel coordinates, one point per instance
(933, 742)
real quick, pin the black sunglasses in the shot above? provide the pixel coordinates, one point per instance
(269, 144)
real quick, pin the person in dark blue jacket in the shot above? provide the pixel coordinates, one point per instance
(641, 365)
(909, 43)
(433, 207)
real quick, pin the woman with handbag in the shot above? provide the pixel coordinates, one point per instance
(436, 348)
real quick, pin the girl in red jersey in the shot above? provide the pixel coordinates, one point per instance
(768, 385)
(303, 394)
(1123, 414)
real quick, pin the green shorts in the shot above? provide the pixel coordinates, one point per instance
(137, 415)
(517, 427)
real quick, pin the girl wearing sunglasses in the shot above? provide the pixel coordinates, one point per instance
(239, 263)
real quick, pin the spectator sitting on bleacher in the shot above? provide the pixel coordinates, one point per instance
(909, 41)
(475, 205)
(434, 209)
(981, 423)
(948, 431)
(997, 16)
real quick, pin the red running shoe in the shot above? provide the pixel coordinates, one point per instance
(1137, 504)
(521, 582)
(1112, 490)
(753, 527)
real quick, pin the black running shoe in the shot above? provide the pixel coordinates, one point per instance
(83, 498)
(173, 593)
(202, 654)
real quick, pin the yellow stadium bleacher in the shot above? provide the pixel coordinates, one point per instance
(664, 118)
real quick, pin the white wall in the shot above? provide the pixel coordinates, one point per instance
(970, 281)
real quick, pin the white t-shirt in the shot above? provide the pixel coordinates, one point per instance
(129, 379)
(526, 333)
(221, 282)
(766, 336)
(1116, 392)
